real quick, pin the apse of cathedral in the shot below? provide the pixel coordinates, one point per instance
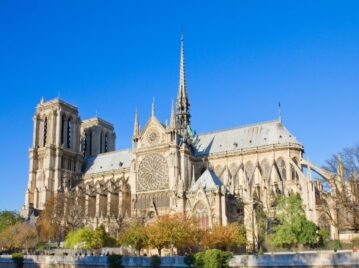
(218, 177)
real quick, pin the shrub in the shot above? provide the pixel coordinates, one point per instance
(18, 258)
(355, 242)
(114, 261)
(334, 245)
(212, 258)
(155, 261)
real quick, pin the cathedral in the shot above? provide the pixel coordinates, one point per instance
(218, 177)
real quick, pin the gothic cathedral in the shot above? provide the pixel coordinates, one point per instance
(218, 177)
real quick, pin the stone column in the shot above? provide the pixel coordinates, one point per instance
(58, 127)
(35, 137)
(98, 196)
(87, 197)
(52, 139)
(120, 203)
(222, 196)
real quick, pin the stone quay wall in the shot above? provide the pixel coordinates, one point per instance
(302, 259)
(31, 261)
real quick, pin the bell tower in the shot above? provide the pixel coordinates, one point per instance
(55, 158)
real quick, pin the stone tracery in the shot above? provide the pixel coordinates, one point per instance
(152, 173)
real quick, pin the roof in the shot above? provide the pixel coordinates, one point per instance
(207, 181)
(108, 161)
(252, 136)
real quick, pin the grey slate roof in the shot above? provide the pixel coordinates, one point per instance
(256, 135)
(207, 181)
(108, 161)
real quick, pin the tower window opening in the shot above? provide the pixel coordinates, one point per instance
(62, 129)
(45, 131)
(101, 149)
(69, 130)
(106, 143)
(84, 145)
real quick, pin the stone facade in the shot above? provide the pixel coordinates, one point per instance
(219, 177)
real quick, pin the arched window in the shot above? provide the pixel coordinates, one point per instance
(63, 119)
(294, 173)
(101, 140)
(45, 132)
(106, 143)
(265, 169)
(249, 170)
(201, 215)
(282, 169)
(84, 144)
(69, 132)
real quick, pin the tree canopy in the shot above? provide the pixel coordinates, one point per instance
(294, 229)
(86, 239)
(8, 218)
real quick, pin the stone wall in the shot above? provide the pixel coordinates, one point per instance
(88, 261)
(305, 259)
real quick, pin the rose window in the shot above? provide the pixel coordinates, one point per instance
(152, 173)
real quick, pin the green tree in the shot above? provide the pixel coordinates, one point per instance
(294, 229)
(80, 238)
(8, 218)
(87, 239)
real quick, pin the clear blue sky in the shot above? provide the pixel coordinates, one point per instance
(242, 57)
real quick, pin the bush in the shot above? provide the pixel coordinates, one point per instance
(114, 261)
(155, 261)
(355, 242)
(18, 258)
(212, 258)
(334, 245)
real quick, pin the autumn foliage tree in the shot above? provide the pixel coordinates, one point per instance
(21, 235)
(134, 235)
(63, 213)
(224, 237)
(172, 231)
(50, 222)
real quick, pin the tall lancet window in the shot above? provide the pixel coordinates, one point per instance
(45, 132)
(69, 132)
(106, 143)
(84, 144)
(101, 134)
(62, 138)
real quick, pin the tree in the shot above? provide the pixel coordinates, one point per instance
(134, 235)
(50, 223)
(8, 218)
(87, 239)
(19, 236)
(340, 205)
(63, 213)
(350, 159)
(175, 231)
(224, 237)
(294, 229)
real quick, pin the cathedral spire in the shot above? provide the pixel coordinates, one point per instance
(183, 115)
(136, 128)
(182, 89)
